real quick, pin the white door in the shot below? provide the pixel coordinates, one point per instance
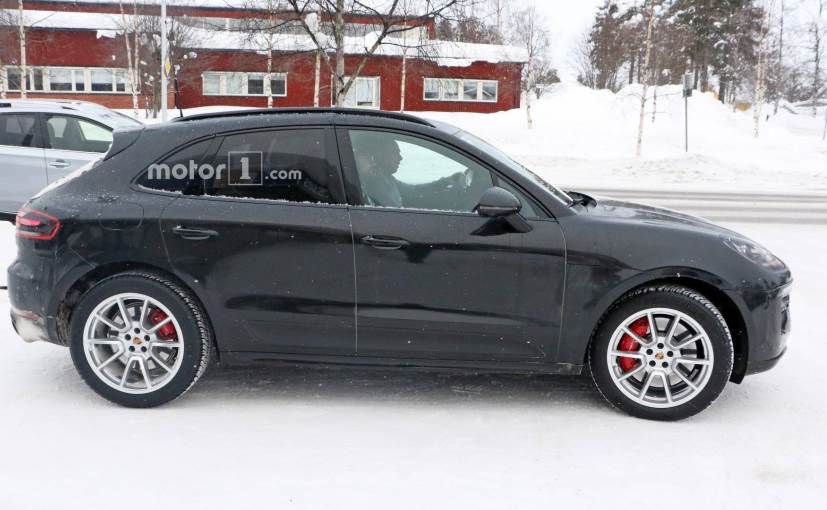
(22, 162)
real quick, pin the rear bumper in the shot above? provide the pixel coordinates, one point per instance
(758, 366)
(30, 293)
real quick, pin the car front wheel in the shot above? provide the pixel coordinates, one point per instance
(139, 340)
(662, 353)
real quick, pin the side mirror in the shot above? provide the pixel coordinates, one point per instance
(498, 203)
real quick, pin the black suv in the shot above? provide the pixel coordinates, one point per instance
(368, 238)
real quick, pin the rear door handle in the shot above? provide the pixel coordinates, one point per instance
(59, 163)
(385, 243)
(194, 234)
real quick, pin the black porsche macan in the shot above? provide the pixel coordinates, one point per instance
(369, 238)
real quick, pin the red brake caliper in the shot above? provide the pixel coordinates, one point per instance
(165, 332)
(641, 328)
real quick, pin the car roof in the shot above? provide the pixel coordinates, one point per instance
(330, 113)
(92, 111)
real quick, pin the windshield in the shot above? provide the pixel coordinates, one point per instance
(504, 158)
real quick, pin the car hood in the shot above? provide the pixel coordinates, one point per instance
(633, 211)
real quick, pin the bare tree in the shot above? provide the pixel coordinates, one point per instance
(398, 17)
(817, 29)
(24, 68)
(580, 60)
(132, 52)
(529, 31)
(761, 68)
(6, 22)
(649, 9)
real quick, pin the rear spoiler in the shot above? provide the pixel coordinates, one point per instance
(122, 139)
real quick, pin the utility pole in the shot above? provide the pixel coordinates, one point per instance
(164, 60)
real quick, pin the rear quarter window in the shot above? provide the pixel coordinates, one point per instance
(173, 174)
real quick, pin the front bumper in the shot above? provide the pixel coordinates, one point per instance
(771, 326)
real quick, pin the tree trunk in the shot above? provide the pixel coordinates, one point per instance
(132, 74)
(632, 68)
(317, 79)
(530, 80)
(403, 80)
(2, 80)
(780, 70)
(339, 88)
(24, 69)
(269, 71)
(650, 27)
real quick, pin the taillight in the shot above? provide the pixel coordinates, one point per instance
(37, 225)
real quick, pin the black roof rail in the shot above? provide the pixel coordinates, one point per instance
(277, 111)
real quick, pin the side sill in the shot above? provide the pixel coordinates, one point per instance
(237, 358)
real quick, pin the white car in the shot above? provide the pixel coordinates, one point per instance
(41, 141)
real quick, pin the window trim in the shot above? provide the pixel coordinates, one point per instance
(353, 183)
(87, 79)
(461, 88)
(222, 83)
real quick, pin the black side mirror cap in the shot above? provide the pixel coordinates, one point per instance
(498, 203)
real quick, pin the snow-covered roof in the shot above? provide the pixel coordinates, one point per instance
(445, 53)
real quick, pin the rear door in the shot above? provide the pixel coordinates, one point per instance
(22, 160)
(71, 142)
(269, 243)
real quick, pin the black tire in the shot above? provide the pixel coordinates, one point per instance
(181, 303)
(677, 298)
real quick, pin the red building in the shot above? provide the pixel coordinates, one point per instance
(76, 50)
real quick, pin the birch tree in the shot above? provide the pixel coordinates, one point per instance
(390, 21)
(529, 31)
(761, 69)
(24, 68)
(6, 22)
(649, 9)
(132, 52)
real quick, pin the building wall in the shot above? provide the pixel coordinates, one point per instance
(83, 48)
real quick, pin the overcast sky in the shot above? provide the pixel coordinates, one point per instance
(567, 19)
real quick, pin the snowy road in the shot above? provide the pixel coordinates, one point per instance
(753, 207)
(312, 438)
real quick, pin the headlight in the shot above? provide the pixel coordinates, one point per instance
(754, 252)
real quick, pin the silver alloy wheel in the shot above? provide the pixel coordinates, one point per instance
(673, 361)
(126, 349)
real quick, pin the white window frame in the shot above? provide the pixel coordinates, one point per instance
(84, 72)
(461, 96)
(377, 97)
(222, 83)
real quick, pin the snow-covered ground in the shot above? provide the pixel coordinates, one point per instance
(586, 138)
(311, 438)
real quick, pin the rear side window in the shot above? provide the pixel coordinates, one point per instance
(178, 173)
(288, 165)
(18, 130)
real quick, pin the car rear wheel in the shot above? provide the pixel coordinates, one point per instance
(139, 339)
(662, 353)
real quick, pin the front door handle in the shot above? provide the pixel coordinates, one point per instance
(59, 163)
(385, 243)
(194, 234)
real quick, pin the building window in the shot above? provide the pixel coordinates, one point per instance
(243, 84)
(69, 79)
(363, 93)
(445, 89)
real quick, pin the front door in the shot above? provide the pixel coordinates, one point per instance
(434, 279)
(269, 243)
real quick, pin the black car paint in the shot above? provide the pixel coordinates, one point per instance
(289, 281)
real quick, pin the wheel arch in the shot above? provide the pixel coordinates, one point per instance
(722, 301)
(81, 284)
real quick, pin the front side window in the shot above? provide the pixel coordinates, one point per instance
(18, 130)
(402, 171)
(74, 134)
(284, 165)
